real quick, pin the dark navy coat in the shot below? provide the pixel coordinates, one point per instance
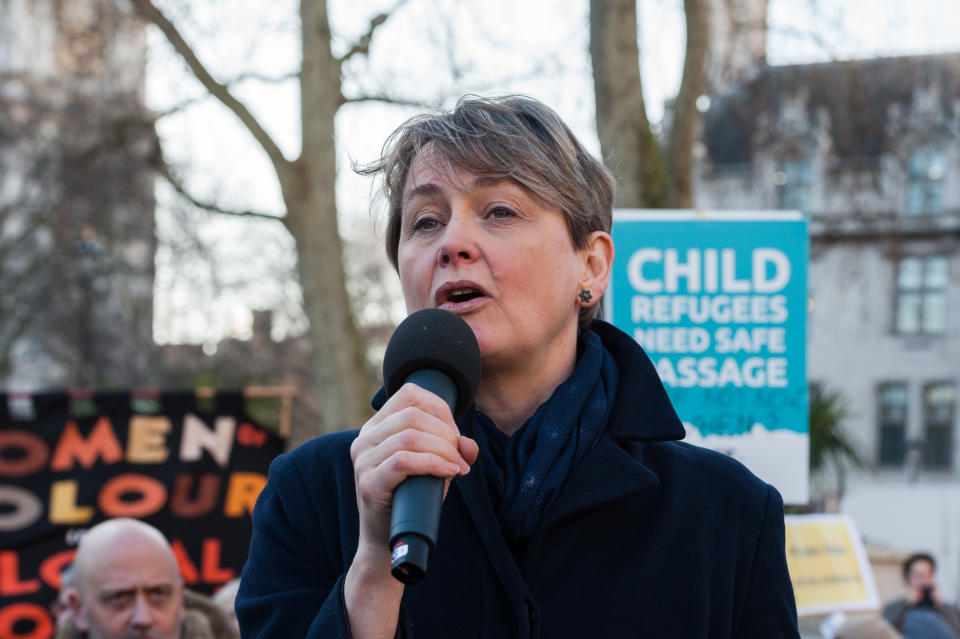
(649, 537)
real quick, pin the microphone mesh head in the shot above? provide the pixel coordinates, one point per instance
(438, 339)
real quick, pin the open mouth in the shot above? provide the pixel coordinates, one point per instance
(457, 295)
(463, 295)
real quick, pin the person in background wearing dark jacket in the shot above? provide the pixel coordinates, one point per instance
(923, 613)
(572, 509)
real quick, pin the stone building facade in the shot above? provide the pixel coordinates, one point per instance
(869, 151)
(77, 238)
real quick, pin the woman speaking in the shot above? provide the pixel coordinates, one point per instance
(571, 510)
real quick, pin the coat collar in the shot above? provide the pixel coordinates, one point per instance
(614, 468)
(641, 409)
(608, 473)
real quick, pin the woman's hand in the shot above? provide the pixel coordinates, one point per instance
(413, 434)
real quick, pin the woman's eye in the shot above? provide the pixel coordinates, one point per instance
(425, 224)
(501, 213)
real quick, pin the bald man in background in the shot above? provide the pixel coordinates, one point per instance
(126, 583)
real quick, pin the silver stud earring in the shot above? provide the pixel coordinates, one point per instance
(585, 295)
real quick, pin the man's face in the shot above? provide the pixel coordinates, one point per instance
(132, 592)
(920, 574)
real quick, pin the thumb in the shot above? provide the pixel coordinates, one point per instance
(468, 449)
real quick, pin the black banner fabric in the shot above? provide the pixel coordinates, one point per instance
(191, 467)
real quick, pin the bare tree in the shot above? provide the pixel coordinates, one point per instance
(683, 130)
(647, 179)
(308, 188)
(628, 145)
(76, 250)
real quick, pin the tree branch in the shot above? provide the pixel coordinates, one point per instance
(243, 77)
(389, 99)
(163, 169)
(362, 45)
(14, 242)
(12, 335)
(183, 105)
(220, 91)
(260, 77)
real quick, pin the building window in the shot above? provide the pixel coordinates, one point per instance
(892, 425)
(939, 405)
(921, 305)
(925, 172)
(792, 181)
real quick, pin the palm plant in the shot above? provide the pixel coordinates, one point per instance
(831, 447)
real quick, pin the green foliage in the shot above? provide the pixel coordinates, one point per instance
(830, 445)
(266, 411)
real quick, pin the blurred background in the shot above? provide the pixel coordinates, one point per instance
(178, 206)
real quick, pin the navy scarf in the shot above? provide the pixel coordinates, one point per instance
(525, 471)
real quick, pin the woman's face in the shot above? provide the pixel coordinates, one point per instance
(491, 252)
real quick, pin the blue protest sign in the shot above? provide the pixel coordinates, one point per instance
(719, 303)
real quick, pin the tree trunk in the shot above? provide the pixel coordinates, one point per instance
(686, 116)
(627, 144)
(308, 187)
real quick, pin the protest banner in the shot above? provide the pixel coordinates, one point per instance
(193, 467)
(718, 300)
(829, 566)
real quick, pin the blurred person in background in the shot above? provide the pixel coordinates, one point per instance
(225, 598)
(867, 627)
(582, 515)
(922, 613)
(126, 583)
(60, 607)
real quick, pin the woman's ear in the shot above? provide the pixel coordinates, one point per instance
(597, 265)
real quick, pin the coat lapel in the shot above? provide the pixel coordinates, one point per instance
(473, 490)
(641, 409)
(606, 474)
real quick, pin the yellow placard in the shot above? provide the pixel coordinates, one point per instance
(828, 565)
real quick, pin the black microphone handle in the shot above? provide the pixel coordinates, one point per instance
(415, 514)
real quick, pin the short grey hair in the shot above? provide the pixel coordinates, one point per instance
(514, 137)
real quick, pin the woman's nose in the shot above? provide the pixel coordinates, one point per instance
(459, 244)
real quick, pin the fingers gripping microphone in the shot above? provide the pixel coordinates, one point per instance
(437, 351)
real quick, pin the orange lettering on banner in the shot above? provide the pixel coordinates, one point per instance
(180, 503)
(250, 435)
(10, 584)
(73, 448)
(242, 493)
(34, 458)
(10, 615)
(51, 568)
(63, 504)
(151, 496)
(210, 560)
(188, 570)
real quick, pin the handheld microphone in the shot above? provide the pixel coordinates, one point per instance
(437, 351)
